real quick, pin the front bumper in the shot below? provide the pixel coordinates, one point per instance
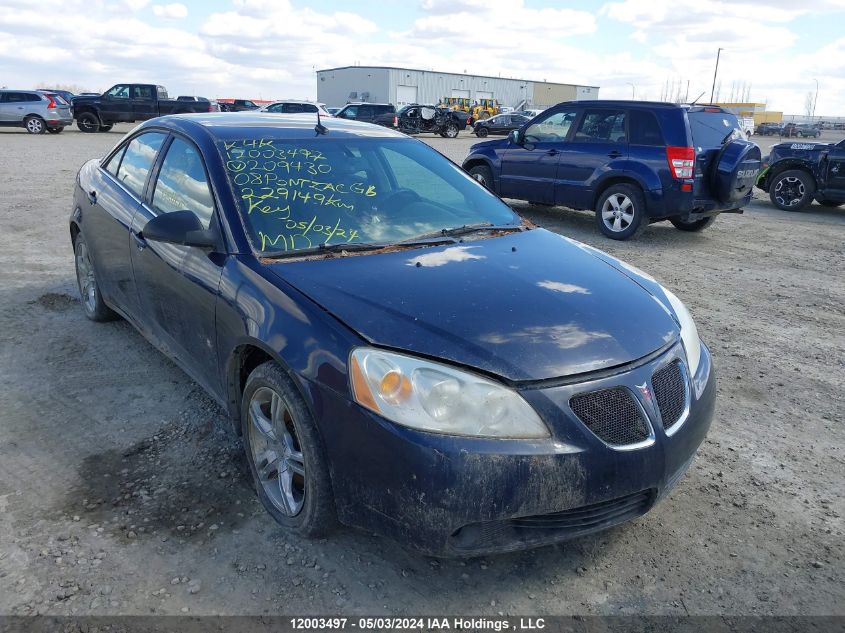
(456, 496)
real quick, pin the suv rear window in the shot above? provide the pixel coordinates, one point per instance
(709, 129)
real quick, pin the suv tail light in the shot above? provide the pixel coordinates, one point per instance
(395, 121)
(52, 104)
(210, 107)
(681, 162)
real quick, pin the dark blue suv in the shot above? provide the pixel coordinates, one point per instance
(632, 162)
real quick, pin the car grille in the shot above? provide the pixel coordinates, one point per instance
(512, 534)
(670, 392)
(612, 414)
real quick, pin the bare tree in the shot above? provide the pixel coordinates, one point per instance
(74, 88)
(808, 103)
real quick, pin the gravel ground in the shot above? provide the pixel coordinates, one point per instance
(122, 492)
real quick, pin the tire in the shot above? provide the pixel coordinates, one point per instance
(620, 212)
(831, 203)
(697, 225)
(451, 131)
(106, 127)
(55, 130)
(35, 125)
(88, 122)
(86, 280)
(481, 131)
(285, 453)
(792, 190)
(483, 175)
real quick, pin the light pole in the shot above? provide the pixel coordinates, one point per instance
(633, 90)
(715, 72)
(816, 98)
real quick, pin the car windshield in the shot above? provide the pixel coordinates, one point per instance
(298, 194)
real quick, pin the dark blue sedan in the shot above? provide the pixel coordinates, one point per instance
(400, 351)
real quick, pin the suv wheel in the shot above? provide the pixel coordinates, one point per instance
(34, 125)
(483, 175)
(620, 212)
(695, 225)
(792, 190)
(481, 131)
(88, 122)
(285, 454)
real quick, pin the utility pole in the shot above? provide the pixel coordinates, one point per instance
(816, 98)
(715, 72)
(633, 90)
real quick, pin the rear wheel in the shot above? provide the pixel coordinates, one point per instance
(86, 279)
(695, 225)
(34, 125)
(483, 175)
(620, 212)
(792, 190)
(285, 453)
(451, 131)
(88, 122)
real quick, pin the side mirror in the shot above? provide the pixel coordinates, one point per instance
(179, 227)
(515, 137)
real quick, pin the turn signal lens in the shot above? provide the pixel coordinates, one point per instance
(395, 387)
(360, 388)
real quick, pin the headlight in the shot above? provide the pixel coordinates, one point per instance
(689, 333)
(439, 399)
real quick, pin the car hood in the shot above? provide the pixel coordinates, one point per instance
(526, 306)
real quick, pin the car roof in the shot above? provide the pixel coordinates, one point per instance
(359, 103)
(598, 103)
(225, 125)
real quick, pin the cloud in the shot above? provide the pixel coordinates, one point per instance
(173, 11)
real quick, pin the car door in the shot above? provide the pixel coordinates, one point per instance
(107, 207)
(7, 109)
(835, 189)
(178, 285)
(529, 168)
(118, 103)
(599, 144)
(144, 104)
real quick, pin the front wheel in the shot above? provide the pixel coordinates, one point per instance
(451, 131)
(695, 225)
(620, 212)
(792, 190)
(86, 279)
(481, 131)
(285, 454)
(88, 122)
(482, 175)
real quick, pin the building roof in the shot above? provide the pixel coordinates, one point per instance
(439, 72)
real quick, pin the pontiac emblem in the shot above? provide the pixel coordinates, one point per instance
(645, 391)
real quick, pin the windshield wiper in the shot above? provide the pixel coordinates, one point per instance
(466, 229)
(325, 248)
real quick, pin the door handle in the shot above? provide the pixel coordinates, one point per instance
(140, 242)
(615, 154)
(92, 197)
(553, 152)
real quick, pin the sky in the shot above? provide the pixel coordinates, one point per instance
(778, 52)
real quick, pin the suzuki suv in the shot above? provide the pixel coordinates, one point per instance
(632, 162)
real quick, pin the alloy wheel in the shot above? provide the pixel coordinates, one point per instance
(35, 126)
(789, 191)
(617, 212)
(276, 451)
(85, 278)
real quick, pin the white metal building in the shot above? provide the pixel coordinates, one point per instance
(401, 86)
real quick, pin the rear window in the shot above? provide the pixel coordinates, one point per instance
(710, 129)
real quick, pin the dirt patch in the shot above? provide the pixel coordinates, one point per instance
(55, 301)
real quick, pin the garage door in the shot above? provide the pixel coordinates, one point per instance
(481, 94)
(460, 93)
(406, 95)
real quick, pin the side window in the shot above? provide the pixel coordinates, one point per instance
(142, 92)
(366, 112)
(551, 128)
(137, 161)
(276, 108)
(350, 112)
(295, 108)
(643, 128)
(114, 162)
(119, 92)
(308, 107)
(182, 184)
(21, 97)
(602, 126)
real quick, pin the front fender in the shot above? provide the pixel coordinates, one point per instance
(488, 158)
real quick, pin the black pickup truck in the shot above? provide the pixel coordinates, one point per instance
(794, 174)
(126, 103)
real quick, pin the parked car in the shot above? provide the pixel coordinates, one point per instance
(807, 129)
(214, 106)
(531, 112)
(378, 113)
(789, 129)
(795, 174)
(632, 162)
(240, 105)
(419, 119)
(499, 124)
(129, 103)
(67, 95)
(36, 112)
(345, 342)
(768, 128)
(334, 111)
(294, 107)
